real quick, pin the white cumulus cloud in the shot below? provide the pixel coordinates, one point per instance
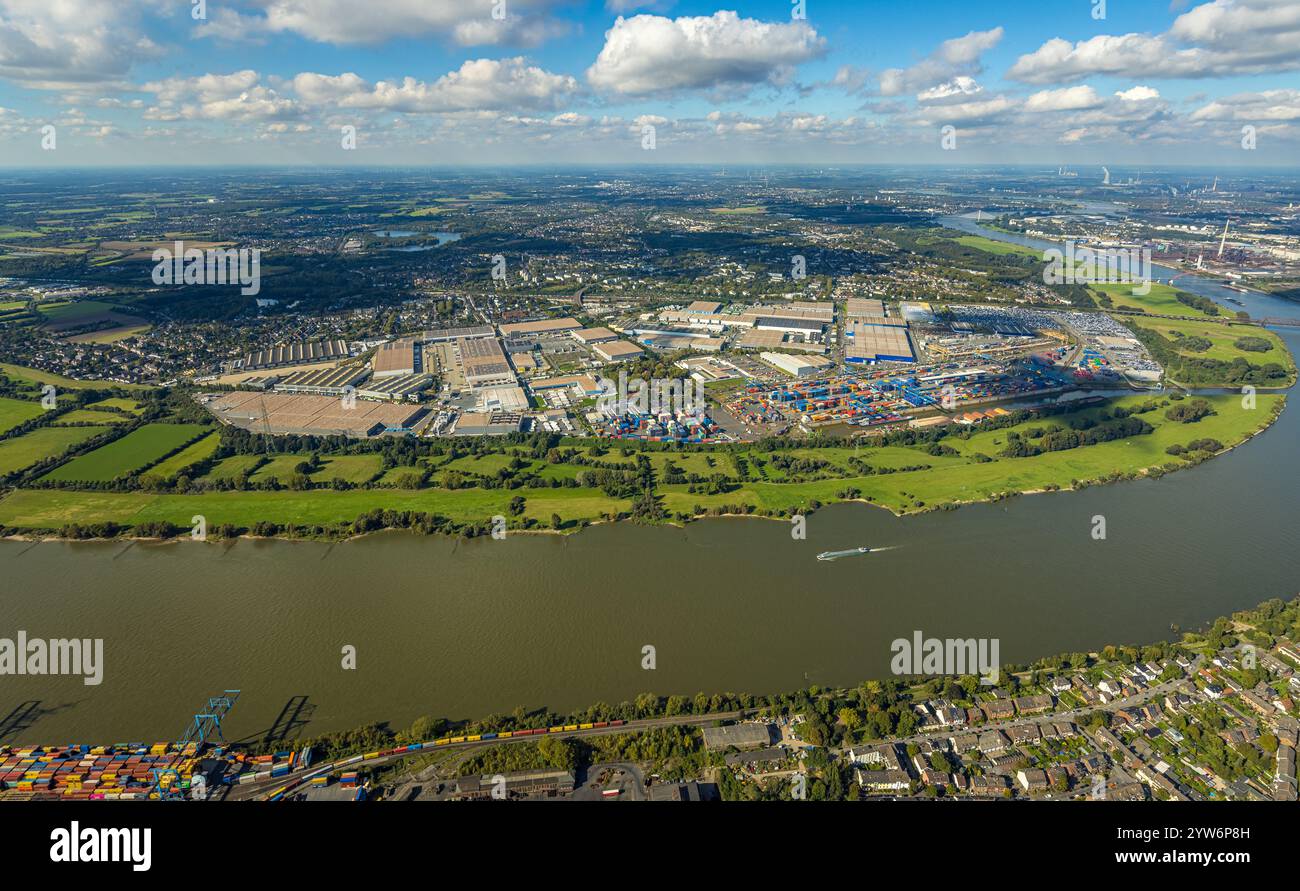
(1224, 37)
(957, 56)
(652, 54)
(477, 84)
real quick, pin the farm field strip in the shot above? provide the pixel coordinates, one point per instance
(44, 442)
(121, 457)
(15, 412)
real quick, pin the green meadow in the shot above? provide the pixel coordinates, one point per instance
(966, 470)
(14, 412)
(1162, 300)
(44, 442)
(122, 457)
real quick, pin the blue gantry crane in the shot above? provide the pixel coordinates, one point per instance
(206, 726)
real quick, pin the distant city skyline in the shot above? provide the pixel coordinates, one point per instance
(620, 82)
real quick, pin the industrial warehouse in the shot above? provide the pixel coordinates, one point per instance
(296, 354)
(866, 342)
(820, 366)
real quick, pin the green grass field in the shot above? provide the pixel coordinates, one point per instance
(230, 468)
(954, 478)
(14, 412)
(130, 406)
(111, 335)
(960, 480)
(68, 313)
(998, 247)
(483, 465)
(280, 467)
(192, 454)
(88, 416)
(52, 508)
(43, 442)
(1223, 337)
(390, 477)
(1161, 301)
(121, 457)
(351, 468)
(36, 378)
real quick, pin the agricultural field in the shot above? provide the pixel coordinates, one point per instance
(41, 443)
(36, 378)
(1162, 300)
(14, 412)
(279, 467)
(232, 467)
(71, 313)
(122, 457)
(90, 416)
(110, 335)
(350, 468)
(192, 454)
(117, 402)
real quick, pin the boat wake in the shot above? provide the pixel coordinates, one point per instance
(827, 556)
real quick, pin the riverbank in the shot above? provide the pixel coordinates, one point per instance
(966, 467)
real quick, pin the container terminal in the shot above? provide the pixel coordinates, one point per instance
(202, 766)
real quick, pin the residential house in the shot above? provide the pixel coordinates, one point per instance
(883, 780)
(999, 709)
(993, 742)
(1033, 780)
(1034, 705)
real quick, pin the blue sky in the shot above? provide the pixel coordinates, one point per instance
(502, 81)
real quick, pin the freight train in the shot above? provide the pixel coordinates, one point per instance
(326, 769)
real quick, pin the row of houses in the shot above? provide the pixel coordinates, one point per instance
(938, 714)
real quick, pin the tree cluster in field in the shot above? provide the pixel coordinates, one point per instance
(1189, 412)
(1204, 304)
(1086, 432)
(1251, 344)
